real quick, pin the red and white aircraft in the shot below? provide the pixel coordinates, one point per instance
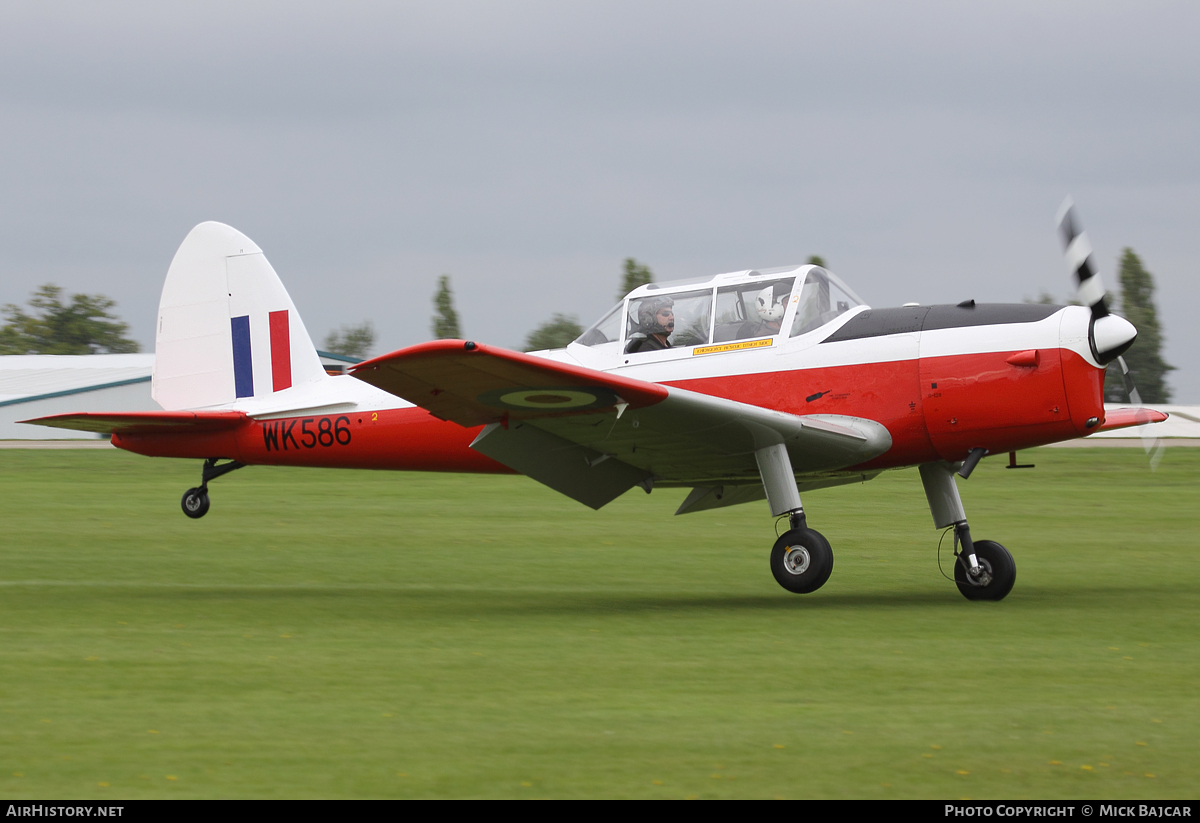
(739, 387)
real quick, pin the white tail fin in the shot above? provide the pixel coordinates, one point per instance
(227, 328)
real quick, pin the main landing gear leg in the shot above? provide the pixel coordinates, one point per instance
(983, 570)
(195, 501)
(801, 559)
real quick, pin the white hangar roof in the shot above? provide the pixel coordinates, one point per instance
(32, 375)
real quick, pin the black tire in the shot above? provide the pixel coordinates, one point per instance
(801, 560)
(999, 567)
(194, 503)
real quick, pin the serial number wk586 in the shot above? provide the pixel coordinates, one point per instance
(278, 434)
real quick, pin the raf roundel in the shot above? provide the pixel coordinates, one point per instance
(551, 398)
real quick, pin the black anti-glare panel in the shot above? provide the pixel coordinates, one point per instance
(881, 322)
(909, 319)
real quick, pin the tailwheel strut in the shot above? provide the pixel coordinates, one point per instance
(195, 501)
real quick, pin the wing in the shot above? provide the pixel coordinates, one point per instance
(1124, 418)
(593, 435)
(143, 422)
(473, 384)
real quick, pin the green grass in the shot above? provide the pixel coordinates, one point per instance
(343, 634)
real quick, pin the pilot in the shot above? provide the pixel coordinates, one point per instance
(770, 305)
(656, 320)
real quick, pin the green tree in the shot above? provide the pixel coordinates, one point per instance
(445, 320)
(352, 341)
(635, 275)
(816, 260)
(81, 325)
(1144, 358)
(554, 333)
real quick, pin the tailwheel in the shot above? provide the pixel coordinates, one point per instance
(195, 503)
(801, 560)
(998, 573)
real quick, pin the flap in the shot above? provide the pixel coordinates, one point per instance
(473, 384)
(580, 473)
(703, 498)
(143, 422)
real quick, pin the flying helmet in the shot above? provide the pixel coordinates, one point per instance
(771, 302)
(648, 315)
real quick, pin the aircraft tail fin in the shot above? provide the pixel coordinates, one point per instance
(227, 329)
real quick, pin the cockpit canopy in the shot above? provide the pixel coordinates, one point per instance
(790, 302)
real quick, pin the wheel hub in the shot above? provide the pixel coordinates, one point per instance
(796, 559)
(984, 575)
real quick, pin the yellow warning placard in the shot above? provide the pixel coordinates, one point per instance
(741, 344)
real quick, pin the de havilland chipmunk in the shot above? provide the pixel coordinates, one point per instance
(738, 387)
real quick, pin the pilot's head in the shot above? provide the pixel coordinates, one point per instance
(771, 303)
(657, 316)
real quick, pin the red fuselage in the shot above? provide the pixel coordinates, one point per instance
(936, 408)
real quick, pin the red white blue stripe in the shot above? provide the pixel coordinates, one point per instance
(243, 354)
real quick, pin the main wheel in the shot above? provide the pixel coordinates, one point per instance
(999, 573)
(801, 560)
(195, 503)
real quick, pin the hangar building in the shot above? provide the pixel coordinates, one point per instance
(38, 385)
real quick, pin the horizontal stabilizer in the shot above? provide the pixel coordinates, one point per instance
(1124, 418)
(473, 384)
(143, 422)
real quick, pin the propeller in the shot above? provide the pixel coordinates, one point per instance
(1110, 336)
(1150, 442)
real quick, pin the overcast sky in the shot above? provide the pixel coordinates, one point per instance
(527, 148)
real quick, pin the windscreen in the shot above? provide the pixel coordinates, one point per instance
(823, 297)
(606, 330)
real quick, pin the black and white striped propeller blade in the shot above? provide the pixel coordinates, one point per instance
(1150, 442)
(1109, 335)
(1079, 258)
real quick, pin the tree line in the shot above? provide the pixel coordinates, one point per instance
(80, 324)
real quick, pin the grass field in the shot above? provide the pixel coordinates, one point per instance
(356, 634)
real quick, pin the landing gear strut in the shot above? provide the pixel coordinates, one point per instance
(195, 501)
(983, 570)
(801, 559)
